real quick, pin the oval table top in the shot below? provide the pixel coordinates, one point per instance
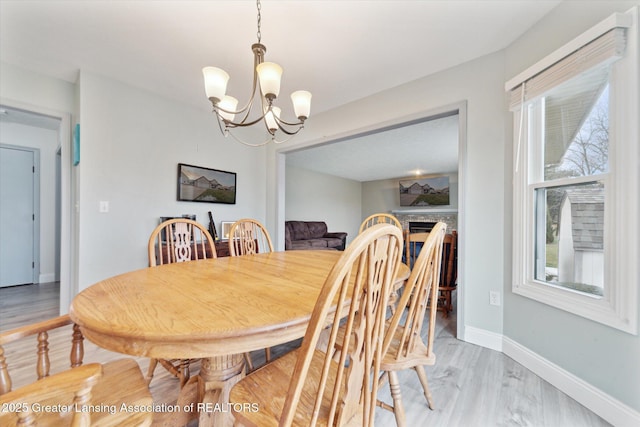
(206, 308)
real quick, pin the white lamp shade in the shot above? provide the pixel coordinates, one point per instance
(271, 121)
(215, 82)
(228, 103)
(301, 103)
(269, 75)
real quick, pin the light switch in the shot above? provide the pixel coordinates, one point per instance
(104, 206)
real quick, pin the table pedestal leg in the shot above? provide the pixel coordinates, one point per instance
(218, 375)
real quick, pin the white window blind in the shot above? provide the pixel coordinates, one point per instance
(603, 50)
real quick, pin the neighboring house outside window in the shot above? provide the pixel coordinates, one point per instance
(576, 190)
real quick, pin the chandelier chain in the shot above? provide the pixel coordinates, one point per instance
(259, 34)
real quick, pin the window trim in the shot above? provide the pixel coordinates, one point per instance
(618, 307)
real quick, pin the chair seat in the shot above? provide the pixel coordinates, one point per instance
(121, 383)
(123, 375)
(419, 355)
(268, 387)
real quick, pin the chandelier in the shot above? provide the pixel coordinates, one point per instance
(266, 77)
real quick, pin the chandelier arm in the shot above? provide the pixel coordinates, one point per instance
(260, 144)
(258, 57)
(288, 132)
(275, 141)
(284, 122)
(242, 124)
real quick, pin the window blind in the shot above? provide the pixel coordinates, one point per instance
(605, 49)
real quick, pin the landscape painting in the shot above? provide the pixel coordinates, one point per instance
(425, 192)
(198, 184)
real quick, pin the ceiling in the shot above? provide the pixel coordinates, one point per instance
(423, 148)
(340, 51)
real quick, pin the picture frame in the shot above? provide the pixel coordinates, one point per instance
(225, 227)
(425, 192)
(206, 185)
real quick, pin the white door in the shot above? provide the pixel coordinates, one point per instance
(17, 260)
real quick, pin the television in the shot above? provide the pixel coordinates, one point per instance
(422, 192)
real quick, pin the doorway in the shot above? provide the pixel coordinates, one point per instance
(48, 133)
(459, 110)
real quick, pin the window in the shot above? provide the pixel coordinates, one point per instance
(576, 191)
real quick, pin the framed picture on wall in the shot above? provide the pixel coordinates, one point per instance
(199, 184)
(425, 191)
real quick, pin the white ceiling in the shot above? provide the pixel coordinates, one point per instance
(419, 149)
(341, 51)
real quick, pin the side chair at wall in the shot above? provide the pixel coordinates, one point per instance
(178, 240)
(379, 218)
(248, 236)
(404, 346)
(307, 386)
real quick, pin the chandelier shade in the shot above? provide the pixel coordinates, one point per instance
(215, 82)
(269, 74)
(266, 88)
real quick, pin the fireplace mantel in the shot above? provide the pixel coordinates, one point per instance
(446, 215)
(424, 211)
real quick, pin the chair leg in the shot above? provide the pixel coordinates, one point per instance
(398, 407)
(267, 354)
(249, 362)
(184, 372)
(152, 367)
(425, 385)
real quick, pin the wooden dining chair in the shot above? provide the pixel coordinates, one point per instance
(110, 385)
(448, 272)
(248, 236)
(178, 240)
(412, 246)
(308, 387)
(403, 346)
(379, 218)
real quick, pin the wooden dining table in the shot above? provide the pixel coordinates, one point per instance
(214, 309)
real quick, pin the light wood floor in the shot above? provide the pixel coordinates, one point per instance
(471, 385)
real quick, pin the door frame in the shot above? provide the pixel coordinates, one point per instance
(35, 244)
(68, 214)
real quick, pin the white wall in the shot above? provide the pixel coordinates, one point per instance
(46, 141)
(131, 143)
(313, 196)
(602, 356)
(384, 195)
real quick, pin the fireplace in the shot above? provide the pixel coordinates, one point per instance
(421, 226)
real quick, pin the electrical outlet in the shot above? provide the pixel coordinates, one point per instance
(494, 297)
(104, 207)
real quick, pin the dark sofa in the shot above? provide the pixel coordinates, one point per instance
(312, 235)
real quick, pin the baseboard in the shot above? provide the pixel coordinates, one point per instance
(483, 338)
(607, 407)
(47, 278)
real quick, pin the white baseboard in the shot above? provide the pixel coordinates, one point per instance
(483, 338)
(46, 278)
(607, 407)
